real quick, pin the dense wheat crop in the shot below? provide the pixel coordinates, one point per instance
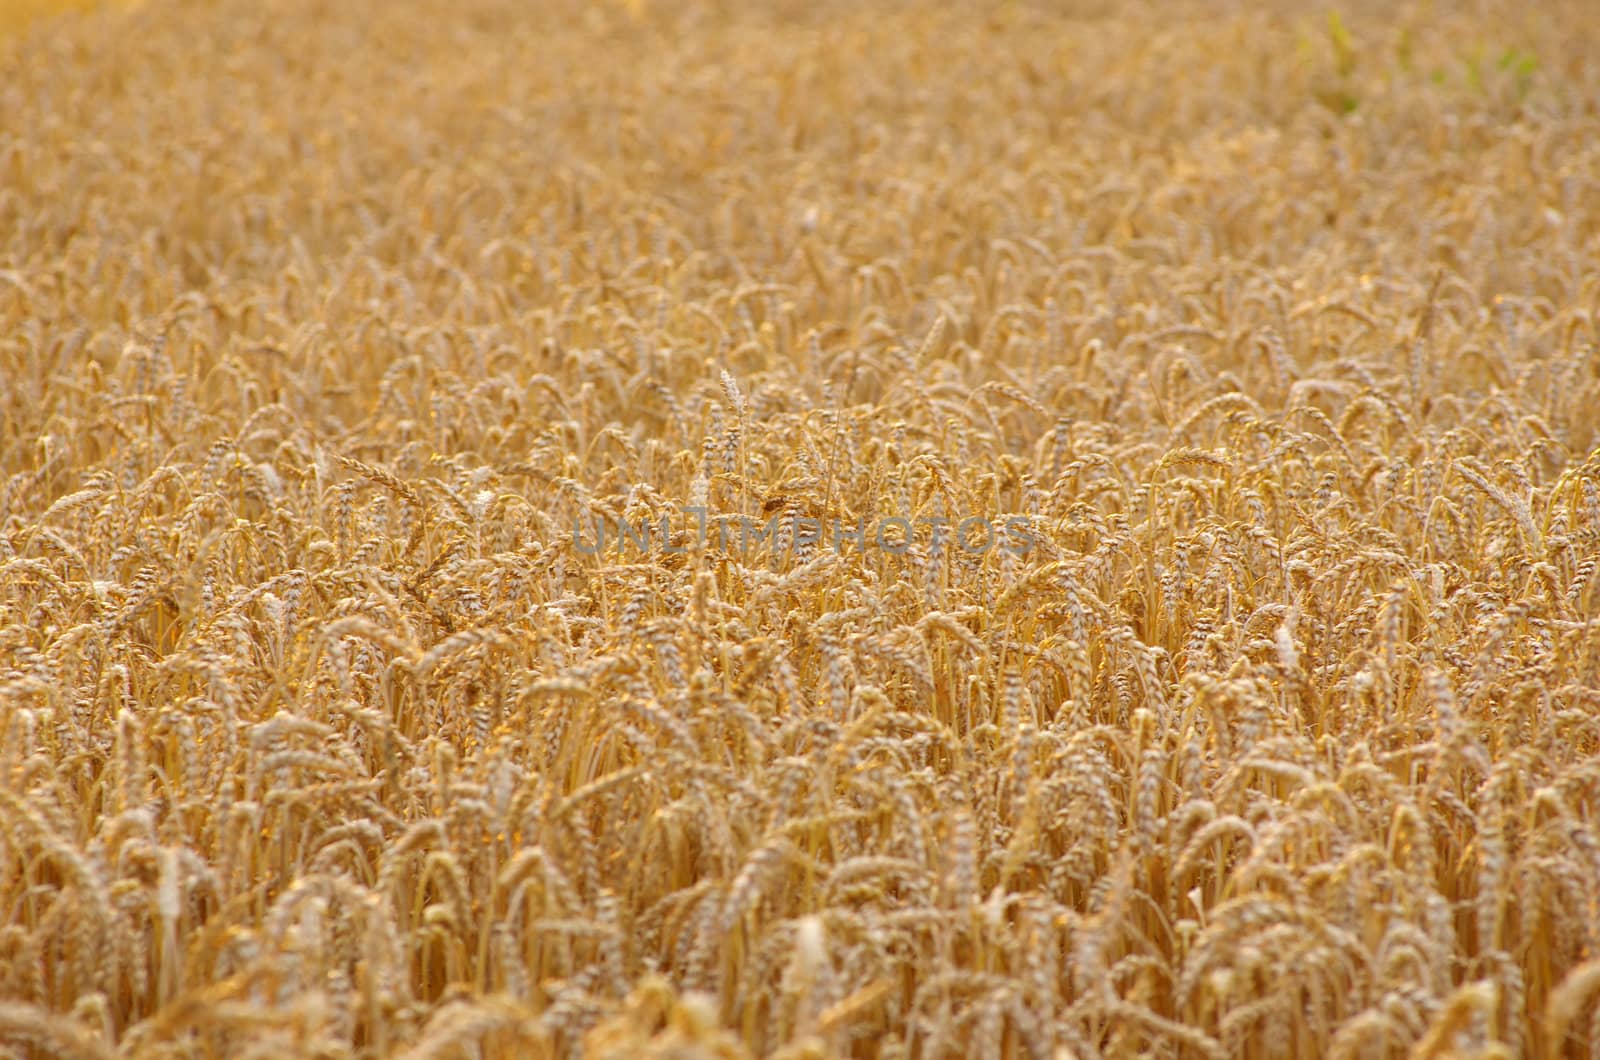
(1254, 711)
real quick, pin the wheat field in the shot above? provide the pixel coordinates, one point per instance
(1258, 346)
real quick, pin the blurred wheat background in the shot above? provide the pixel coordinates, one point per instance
(322, 324)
